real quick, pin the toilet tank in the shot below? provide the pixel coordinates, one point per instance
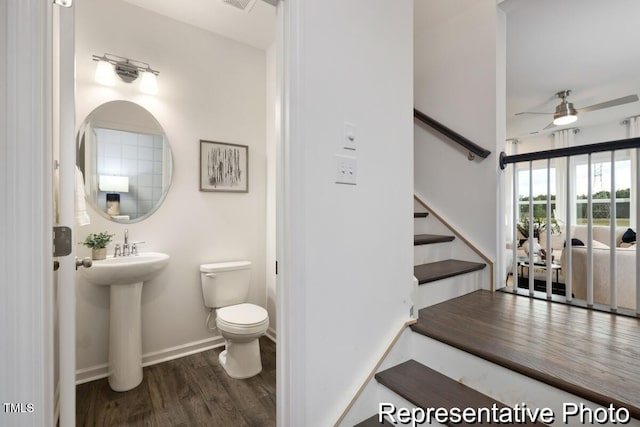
(225, 283)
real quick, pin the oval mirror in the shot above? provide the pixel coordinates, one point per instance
(125, 158)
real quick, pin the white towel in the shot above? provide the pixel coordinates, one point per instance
(81, 215)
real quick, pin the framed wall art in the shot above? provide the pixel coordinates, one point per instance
(224, 167)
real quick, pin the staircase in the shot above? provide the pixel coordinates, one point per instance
(480, 349)
(439, 272)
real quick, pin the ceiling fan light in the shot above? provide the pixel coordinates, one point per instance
(565, 113)
(564, 119)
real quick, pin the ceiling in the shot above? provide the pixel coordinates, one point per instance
(591, 47)
(588, 46)
(255, 26)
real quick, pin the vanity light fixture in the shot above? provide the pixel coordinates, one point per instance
(128, 70)
(104, 74)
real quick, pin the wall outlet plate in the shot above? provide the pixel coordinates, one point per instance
(346, 169)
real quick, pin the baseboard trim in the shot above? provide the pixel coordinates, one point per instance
(271, 334)
(101, 371)
(375, 369)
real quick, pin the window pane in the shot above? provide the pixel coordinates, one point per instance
(539, 192)
(601, 192)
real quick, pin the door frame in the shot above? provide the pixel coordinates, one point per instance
(291, 343)
(26, 123)
(64, 132)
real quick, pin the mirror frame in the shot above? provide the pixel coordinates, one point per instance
(80, 157)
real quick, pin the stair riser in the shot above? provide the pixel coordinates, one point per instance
(442, 290)
(431, 253)
(387, 396)
(493, 380)
(440, 251)
(430, 224)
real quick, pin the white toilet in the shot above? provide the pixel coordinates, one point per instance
(225, 287)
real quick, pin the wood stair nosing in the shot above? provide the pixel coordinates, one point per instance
(428, 239)
(503, 343)
(420, 214)
(427, 388)
(430, 272)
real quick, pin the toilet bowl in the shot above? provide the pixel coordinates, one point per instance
(225, 288)
(241, 326)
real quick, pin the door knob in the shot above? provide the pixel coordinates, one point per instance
(84, 262)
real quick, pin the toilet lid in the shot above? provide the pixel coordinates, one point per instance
(242, 314)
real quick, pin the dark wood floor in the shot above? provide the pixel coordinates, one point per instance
(191, 391)
(591, 354)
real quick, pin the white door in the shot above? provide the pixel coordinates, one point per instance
(26, 169)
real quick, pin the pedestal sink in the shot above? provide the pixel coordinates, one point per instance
(125, 276)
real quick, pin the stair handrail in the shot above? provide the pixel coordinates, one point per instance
(599, 147)
(474, 149)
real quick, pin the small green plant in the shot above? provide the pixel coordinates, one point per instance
(539, 226)
(97, 240)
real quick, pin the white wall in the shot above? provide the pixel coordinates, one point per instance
(210, 88)
(459, 55)
(350, 249)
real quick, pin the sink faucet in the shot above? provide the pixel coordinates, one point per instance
(125, 246)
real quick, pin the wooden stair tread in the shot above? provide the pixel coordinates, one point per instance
(373, 422)
(593, 355)
(427, 239)
(420, 214)
(433, 271)
(427, 388)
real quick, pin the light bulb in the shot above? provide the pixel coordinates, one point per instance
(149, 83)
(565, 120)
(105, 74)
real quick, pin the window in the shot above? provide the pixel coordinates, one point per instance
(601, 192)
(539, 180)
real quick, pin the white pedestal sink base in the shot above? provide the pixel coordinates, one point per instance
(125, 275)
(125, 336)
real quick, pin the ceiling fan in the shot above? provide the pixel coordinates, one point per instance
(565, 112)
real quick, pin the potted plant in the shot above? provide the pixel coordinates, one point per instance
(539, 225)
(98, 243)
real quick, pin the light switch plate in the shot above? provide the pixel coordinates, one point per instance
(346, 169)
(349, 136)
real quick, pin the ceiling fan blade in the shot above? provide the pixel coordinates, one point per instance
(549, 126)
(530, 112)
(612, 103)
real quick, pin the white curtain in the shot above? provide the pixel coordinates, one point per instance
(562, 139)
(633, 132)
(511, 148)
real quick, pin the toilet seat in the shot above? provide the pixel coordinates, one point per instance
(242, 319)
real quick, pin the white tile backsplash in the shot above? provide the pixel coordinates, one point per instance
(137, 156)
